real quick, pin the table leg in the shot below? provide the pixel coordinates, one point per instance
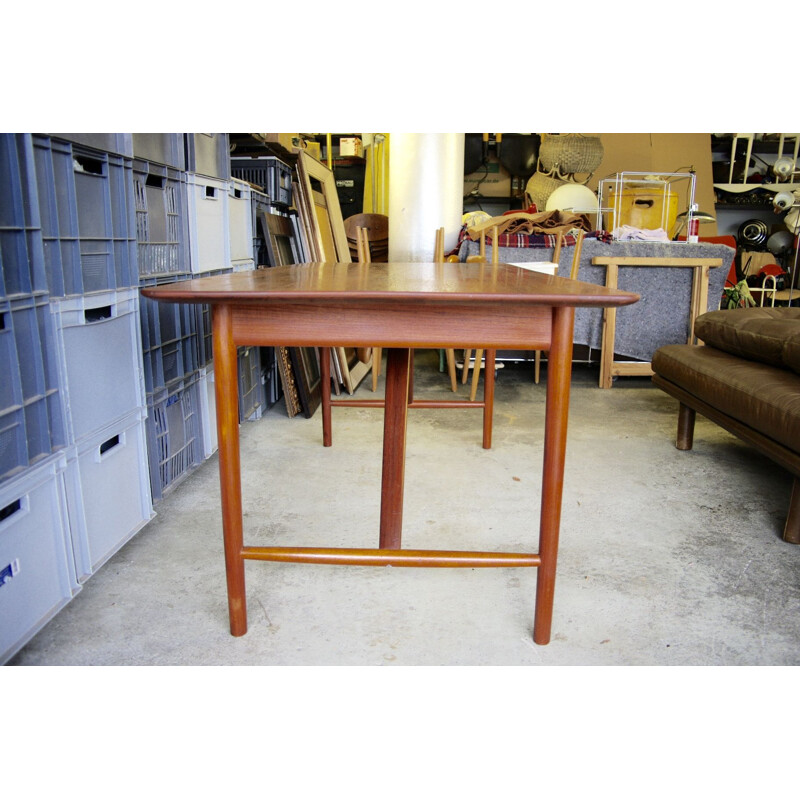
(559, 369)
(325, 384)
(227, 397)
(398, 371)
(488, 398)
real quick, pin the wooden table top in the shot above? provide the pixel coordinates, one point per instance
(390, 282)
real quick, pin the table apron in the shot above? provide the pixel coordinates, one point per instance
(431, 325)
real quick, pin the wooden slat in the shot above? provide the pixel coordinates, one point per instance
(394, 558)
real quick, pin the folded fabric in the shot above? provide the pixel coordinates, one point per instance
(628, 232)
(522, 222)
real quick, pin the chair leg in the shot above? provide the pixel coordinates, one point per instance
(537, 366)
(476, 373)
(451, 369)
(791, 533)
(465, 368)
(376, 367)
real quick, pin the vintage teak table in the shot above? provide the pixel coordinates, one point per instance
(399, 307)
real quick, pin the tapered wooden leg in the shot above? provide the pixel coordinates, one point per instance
(398, 370)
(376, 367)
(559, 369)
(325, 391)
(465, 367)
(685, 437)
(451, 369)
(476, 374)
(791, 533)
(537, 365)
(488, 398)
(227, 397)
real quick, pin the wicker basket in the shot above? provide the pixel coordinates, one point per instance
(570, 153)
(540, 186)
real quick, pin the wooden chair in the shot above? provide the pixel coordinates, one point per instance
(490, 354)
(573, 274)
(364, 256)
(377, 230)
(487, 404)
(438, 257)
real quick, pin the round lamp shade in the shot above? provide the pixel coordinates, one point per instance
(572, 196)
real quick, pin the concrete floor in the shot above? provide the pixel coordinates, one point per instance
(666, 557)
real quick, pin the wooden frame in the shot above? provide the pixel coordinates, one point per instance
(698, 303)
(319, 208)
(281, 239)
(298, 366)
(308, 378)
(321, 202)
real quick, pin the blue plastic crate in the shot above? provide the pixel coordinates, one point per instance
(174, 435)
(22, 269)
(162, 220)
(170, 340)
(86, 211)
(31, 419)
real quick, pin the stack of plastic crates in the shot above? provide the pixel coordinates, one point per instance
(37, 568)
(169, 332)
(86, 204)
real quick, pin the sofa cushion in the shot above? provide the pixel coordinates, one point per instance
(763, 397)
(791, 353)
(768, 335)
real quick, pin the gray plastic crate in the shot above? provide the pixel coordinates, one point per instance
(270, 173)
(86, 211)
(174, 435)
(252, 399)
(22, 270)
(240, 224)
(37, 576)
(162, 219)
(119, 143)
(31, 422)
(160, 148)
(204, 333)
(170, 340)
(108, 491)
(208, 154)
(260, 204)
(98, 340)
(209, 225)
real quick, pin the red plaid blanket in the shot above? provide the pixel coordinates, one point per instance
(533, 239)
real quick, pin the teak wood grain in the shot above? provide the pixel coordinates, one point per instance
(398, 306)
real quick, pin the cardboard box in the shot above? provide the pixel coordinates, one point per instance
(491, 180)
(351, 146)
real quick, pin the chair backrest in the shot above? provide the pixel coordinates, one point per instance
(576, 255)
(377, 230)
(482, 251)
(362, 246)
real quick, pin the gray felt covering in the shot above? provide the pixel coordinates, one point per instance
(662, 314)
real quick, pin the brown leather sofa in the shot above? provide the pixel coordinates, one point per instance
(745, 377)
